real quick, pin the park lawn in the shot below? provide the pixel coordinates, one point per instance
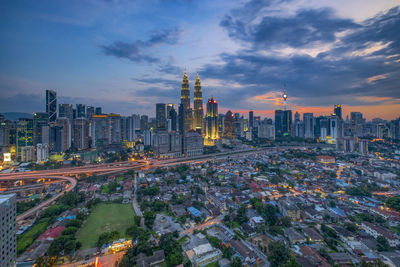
(105, 218)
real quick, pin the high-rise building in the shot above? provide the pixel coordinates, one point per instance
(8, 237)
(40, 123)
(251, 119)
(198, 106)
(144, 123)
(80, 111)
(287, 122)
(98, 111)
(66, 111)
(51, 105)
(279, 122)
(337, 110)
(173, 117)
(66, 134)
(229, 125)
(89, 111)
(185, 101)
(55, 138)
(357, 123)
(24, 134)
(308, 119)
(211, 122)
(161, 117)
(80, 134)
(334, 127)
(42, 152)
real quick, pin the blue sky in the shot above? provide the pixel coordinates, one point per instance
(128, 55)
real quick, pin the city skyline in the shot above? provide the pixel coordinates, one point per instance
(324, 52)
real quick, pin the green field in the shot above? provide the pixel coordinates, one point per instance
(105, 218)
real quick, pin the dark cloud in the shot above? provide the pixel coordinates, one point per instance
(343, 73)
(135, 51)
(128, 51)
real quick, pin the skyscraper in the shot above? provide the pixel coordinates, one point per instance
(98, 111)
(211, 122)
(80, 111)
(198, 106)
(8, 239)
(278, 122)
(287, 122)
(89, 111)
(337, 110)
(161, 116)
(80, 134)
(40, 123)
(308, 119)
(66, 111)
(172, 115)
(185, 101)
(251, 119)
(229, 125)
(51, 105)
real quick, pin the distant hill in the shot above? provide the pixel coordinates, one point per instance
(14, 116)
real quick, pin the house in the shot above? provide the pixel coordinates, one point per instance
(376, 230)
(313, 234)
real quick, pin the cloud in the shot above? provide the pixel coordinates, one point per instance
(135, 51)
(323, 59)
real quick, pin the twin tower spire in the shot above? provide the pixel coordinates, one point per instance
(193, 118)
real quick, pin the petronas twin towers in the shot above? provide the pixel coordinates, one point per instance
(193, 118)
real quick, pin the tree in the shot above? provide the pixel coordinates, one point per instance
(383, 244)
(236, 262)
(393, 202)
(149, 218)
(376, 263)
(278, 253)
(292, 263)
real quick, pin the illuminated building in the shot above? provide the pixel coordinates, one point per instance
(51, 105)
(8, 238)
(24, 134)
(211, 122)
(229, 125)
(308, 119)
(185, 101)
(198, 106)
(287, 122)
(161, 117)
(337, 110)
(42, 152)
(357, 123)
(80, 134)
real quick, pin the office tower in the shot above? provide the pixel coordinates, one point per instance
(99, 130)
(395, 129)
(51, 105)
(89, 111)
(287, 122)
(181, 119)
(357, 124)
(185, 101)
(160, 117)
(5, 134)
(298, 126)
(114, 128)
(66, 111)
(251, 119)
(66, 133)
(229, 125)
(40, 120)
(198, 106)
(337, 110)
(211, 122)
(169, 108)
(193, 144)
(256, 121)
(98, 111)
(80, 134)
(278, 122)
(266, 130)
(308, 119)
(24, 134)
(56, 138)
(80, 111)
(8, 237)
(363, 146)
(334, 127)
(173, 116)
(136, 122)
(144, 123)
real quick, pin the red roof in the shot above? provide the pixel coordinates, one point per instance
(52, 233)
